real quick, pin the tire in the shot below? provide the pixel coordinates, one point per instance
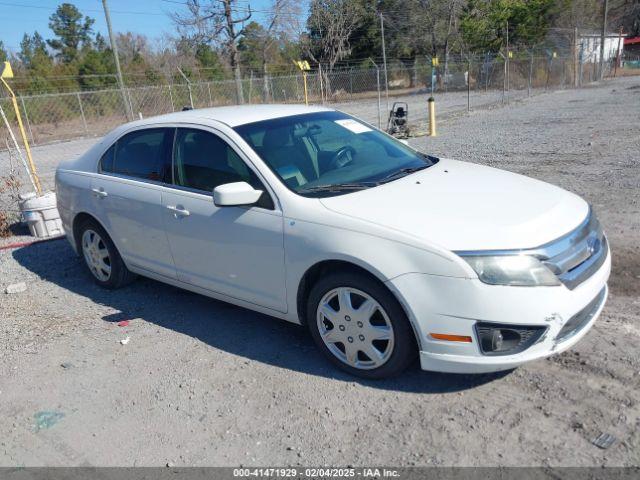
(91, 234)
(359, 322)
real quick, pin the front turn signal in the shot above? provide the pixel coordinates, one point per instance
(450, 338)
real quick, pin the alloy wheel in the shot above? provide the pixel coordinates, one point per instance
(96, 255)
(355, 328)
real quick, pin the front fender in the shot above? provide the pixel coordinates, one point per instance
(308, 243)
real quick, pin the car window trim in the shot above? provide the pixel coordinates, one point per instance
(114, 145)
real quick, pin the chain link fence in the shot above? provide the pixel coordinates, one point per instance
(360, 91)
(458, 85)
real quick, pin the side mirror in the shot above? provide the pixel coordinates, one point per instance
(235, 194)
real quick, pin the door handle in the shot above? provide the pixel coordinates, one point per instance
(178, 211)
(99, 192)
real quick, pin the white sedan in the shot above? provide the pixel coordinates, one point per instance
(313, 216)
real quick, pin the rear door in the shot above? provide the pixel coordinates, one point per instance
(236, 251)
(127, 197)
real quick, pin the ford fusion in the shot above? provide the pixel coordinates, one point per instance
(313, 216)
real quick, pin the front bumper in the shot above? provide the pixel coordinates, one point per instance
(453, 306)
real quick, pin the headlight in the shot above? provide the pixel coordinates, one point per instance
(516, 270)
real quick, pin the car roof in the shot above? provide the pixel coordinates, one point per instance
(236, 115)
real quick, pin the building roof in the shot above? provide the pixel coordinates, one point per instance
(599, 34)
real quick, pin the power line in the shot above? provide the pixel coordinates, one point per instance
(52, 9)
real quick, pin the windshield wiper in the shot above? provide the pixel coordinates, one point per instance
(403, 172)
(338, 187)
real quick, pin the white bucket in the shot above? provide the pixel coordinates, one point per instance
(41, 215)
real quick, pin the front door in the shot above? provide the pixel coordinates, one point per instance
(236, 251)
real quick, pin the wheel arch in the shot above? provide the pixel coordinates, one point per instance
(78, 220)
(315, 272)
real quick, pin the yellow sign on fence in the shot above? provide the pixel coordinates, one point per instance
(7, 72)
(303, 65)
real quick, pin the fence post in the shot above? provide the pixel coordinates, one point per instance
(84, 120)
(321, 82)
(379, 97)
(549, 63)
(186, 79)
(209, 90)
(580, 67)
(485, 66)
(504, 80)
(530, 73)
(469, 83)
(173, 107)
(26, 117)
(351, 83)
(130, 103)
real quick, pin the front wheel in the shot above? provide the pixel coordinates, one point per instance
(360, 326)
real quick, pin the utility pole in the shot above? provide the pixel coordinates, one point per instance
(602, 39)
(114, 48)
(384, 61)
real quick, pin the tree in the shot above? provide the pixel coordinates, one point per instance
(94, 71)
(365, 41)
(72, 31)
(3, 52)
(484, 22)
(33, 50)
(209, 60)
(331, 24)
(35, 59)
(260, 45)
(132, 48)
(215, 22)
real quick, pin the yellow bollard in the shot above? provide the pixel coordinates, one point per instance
(304, 78)
(432, 117)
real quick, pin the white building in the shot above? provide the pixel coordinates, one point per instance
(589, 46)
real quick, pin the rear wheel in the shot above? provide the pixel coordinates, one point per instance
(101, 256)
(360, 326)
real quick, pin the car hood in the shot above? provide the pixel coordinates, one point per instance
(464, 206)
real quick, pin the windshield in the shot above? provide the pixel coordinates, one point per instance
(330, 153)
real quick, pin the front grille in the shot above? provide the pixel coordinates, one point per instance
(582, 318)
(577, 255)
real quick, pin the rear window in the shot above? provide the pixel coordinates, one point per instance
(140, 154)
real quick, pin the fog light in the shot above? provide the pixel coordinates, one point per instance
(498, 339)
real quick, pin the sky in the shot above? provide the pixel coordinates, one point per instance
(146, 17)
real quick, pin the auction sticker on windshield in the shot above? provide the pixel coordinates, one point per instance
(352, 125)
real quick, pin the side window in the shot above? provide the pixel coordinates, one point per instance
(106, 162)
(202, 161)
(141, 154)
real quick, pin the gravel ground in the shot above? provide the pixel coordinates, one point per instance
(205, 383)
